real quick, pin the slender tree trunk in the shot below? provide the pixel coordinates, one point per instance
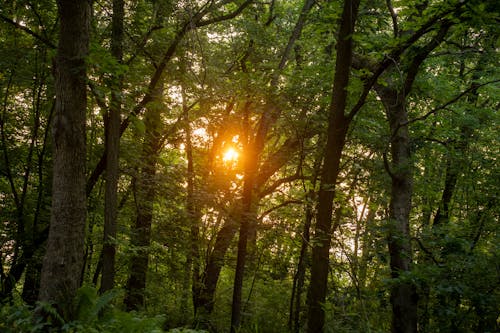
(31, 286)
(253, 149)
(403, 294)
(192, 269)
(39, 230)
(204, 297)
(299, 278)
(456, 153)
(64, 257)
(144, 198)
(337, 130)
(24, 245)
(304, 258)
(248, 220)
(112, 153)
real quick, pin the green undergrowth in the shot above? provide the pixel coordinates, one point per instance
(91, 313)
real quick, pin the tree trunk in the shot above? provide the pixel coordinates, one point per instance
(31, 286)
(203, 299)
(403, 294)
(192, 269)
(304, 257)
(338, 125)
(144, 198)
(299, 278)
(64, 257)
(253, 149)
(112, 153)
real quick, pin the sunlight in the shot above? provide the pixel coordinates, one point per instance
(230, 155)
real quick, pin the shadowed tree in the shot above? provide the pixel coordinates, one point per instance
(64, 257)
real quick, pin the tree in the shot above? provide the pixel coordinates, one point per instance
(25, 146)
(64, 256)
(375, 152)
(112, 153)
(338, 125)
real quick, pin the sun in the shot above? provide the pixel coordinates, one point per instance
(230, 155)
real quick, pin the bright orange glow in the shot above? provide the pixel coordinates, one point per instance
(230, 155)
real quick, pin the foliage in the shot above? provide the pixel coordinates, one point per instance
(95, 314)
(218, 84)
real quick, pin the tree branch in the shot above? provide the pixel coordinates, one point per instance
(224, 17)
(396, 53)
(394, 17)
(283, 204)
(473, 87)
(28, 31)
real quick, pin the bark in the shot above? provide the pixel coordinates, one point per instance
(338, 125)
(299, 278)
(64, 257)
(144, 198)
(403, 294)
(112, 153)
(252, 153)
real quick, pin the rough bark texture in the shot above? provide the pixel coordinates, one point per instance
(337, 129)
(64, 258)
(403, 294)
(112, 151)
(144, 198)
(404, 298)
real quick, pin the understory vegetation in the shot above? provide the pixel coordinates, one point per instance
(249, 166)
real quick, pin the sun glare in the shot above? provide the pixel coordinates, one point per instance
(230, 155)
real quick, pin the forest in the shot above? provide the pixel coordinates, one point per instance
(249, 166)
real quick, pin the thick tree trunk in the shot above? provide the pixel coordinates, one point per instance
(144, 198)
(64, 257)
(338, 125)
(112, 152)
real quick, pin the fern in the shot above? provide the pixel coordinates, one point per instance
(49, 311)
(90, 305)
